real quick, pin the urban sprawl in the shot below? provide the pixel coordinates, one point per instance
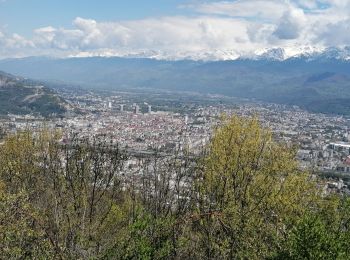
(146, 127)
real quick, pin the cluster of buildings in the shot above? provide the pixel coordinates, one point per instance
(161, 131)
(323, 141)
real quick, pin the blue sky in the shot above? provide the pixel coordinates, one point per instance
(170, 28)
(23, 16)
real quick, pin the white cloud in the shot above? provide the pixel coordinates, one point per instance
(291, 24)
(336, 34)
(13, 44)
(240, 26)
(164, 34)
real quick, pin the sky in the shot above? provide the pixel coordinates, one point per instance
(65, 28)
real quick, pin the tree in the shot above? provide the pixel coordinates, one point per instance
(22, 234)
(243, 198)
(323, 233)
(161, 191)
(249, 193)
(70, 195)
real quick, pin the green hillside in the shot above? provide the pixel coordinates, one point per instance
(20, 96)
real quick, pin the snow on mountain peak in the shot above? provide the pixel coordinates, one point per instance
(277, 53)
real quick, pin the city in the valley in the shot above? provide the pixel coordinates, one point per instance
(145, 123)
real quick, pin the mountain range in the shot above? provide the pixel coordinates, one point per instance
(314, 79)
(277, 53)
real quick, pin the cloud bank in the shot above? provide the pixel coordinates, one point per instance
(231, 27)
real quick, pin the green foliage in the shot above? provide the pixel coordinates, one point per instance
(148, 238)
(20, 239)
(21, 97)
(70, 193)
(244, 198)
(251, 192)
(322, 233)
(310, 239)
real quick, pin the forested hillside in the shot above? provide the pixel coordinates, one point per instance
(243, 198)
(22, 96)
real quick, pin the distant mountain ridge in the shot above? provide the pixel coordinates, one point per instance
(304, 52)
(275, 53)
(22, 96)
(316, 80)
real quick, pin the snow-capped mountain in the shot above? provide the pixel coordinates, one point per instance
(278, 54)
(288, 53)
(335, 53)
(213, 55)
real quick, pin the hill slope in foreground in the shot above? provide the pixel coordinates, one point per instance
(22, 96)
